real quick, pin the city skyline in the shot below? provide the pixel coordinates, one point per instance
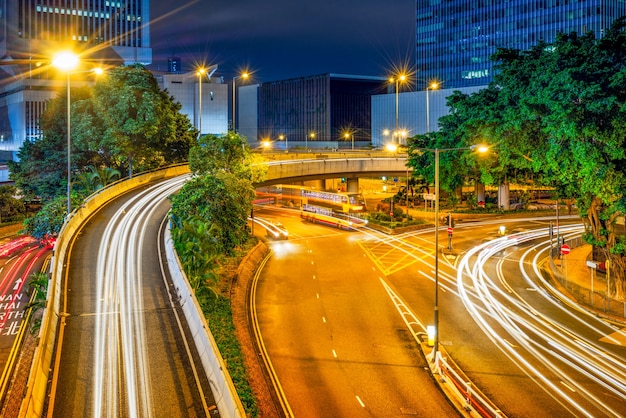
(283, 39)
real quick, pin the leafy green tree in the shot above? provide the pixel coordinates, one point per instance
(223, 201)
(49, 220)
(38, 284)
(122, 124)
(41, 169)
(197, 245)
(140, 121)
(125, 123)
(221, 191)
(95, 178)
(228, 153)
(557, 113)
(10, 206)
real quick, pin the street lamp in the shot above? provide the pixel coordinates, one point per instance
(312, 136)
(284, 137)
(349, 135)
(432, 86)
(200, 73)
(244, 76)
(397, 80)
(67, 61)
(437, 151)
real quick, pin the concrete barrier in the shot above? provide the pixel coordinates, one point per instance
(54, 314)
(226, 398)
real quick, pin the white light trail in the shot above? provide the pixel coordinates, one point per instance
(121, 374)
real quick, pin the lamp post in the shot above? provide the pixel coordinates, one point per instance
(67, 61)
(349, 135)
(200, 73)
(437, 151)
(312, 136)
(284, 137)
(432, 86)
(397, 80)
(244, 76)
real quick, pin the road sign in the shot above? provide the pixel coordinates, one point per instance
(565, 249)
(450, 230)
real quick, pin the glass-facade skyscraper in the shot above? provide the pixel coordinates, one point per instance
(455, 38)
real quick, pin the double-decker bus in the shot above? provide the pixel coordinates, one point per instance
(326, 216)
(300, 196)
(338, 202)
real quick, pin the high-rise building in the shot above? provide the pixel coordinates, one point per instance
(31, 31)
(318, 110)
(455, 38)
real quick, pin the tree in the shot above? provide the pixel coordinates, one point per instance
(94, 178)
(10, 206)
(228, 153)
(49, 220)
(221, 191)
(140, 121)
(223, 201)
(124, 123)
(558, 113)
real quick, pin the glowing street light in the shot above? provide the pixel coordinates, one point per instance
(244, 76)
(200, 73)
(284, 138)
(349, 135)
(437, 151)
(432, 86)
(67, 61)
(312, 136)
(398, 79)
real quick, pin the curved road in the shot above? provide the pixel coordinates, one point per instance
(338, 345)
(122, 352)
(336, 340)
(575, 357)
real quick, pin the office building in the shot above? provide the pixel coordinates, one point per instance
(318, 111)
(101, 31)
(415, 117)
(205, 104)
(455, 38)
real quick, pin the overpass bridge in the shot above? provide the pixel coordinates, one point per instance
(298, 167)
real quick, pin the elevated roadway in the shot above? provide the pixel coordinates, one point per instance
(298, 167)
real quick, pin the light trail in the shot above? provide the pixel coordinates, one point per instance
(121, 377)
(560, 338)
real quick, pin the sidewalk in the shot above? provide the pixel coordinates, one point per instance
(584, 285)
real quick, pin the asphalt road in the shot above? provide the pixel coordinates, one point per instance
(122, 353)
(335, 338)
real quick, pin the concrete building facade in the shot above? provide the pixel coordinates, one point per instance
(32, 31)
(205, 105)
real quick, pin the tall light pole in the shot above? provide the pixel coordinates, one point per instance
(200, 73)
(67, 61)
(437, 151)
(244, 76)
(399, 78)
(284, 137)
(349, 135)
(432, 86)
(312, 136)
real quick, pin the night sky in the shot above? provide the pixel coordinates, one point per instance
(282, 39)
